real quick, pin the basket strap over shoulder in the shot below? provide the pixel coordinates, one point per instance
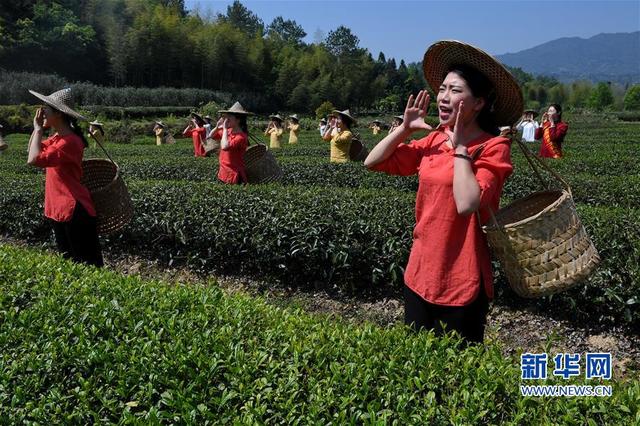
(105, 151)
(532, 158)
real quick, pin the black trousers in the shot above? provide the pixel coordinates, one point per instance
(78, 239)
(469, 321)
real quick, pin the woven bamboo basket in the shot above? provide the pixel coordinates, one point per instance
(169, 139)
(540, 242)
(357, 151)
(211, 147)
(109, 193)
(260, 165)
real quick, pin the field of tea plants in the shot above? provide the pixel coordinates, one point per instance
(80, 345)
(341, 225)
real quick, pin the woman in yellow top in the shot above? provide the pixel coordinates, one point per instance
(341, 141)
(158, 129)
(375, 126)
(274, 130)
(294, 128)
(96, 131)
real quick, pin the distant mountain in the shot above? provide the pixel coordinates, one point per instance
(604, 57)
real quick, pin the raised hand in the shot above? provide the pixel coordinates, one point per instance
(545, 117)
(415, 112)
(38, 119)
(457, 136)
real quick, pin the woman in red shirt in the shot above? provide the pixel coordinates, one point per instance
(552, 132)
(233, 133)
(461, 166)
(66, 201)
(197, 131)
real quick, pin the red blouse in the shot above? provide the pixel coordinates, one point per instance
(232, 159)
(62, 158)
(198, 134)
(449, 252)
(552, 138)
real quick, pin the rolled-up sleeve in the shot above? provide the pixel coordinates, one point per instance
(53, 155)
(404, 161)
(493, 167)
(217, 135)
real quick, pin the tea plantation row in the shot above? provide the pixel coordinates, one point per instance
(619, 188)
(352, 238)
(85, 346)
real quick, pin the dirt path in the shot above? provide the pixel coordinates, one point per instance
(517, 330)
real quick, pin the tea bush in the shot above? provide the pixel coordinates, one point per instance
(80, 345)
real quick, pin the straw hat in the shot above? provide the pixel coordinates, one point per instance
(323, 120)
(207, 117)
(346, 114)
(294, 116)
(197, 116)
(160, 123)
(531, 111)
(236, 109)
(377, 121)
(96, 125)
(276, 116)
(60, 100)
(443, 55)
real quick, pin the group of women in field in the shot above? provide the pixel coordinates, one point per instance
(461, 164)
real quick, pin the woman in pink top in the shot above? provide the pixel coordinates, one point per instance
(233, 133)
(197, 131)
(461, 167)
(67, 202)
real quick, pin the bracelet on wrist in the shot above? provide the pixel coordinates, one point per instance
(464, 156)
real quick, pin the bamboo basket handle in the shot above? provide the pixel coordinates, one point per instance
(100, 145)
(531, 158)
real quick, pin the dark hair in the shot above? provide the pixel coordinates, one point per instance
(75, 127)
(346, 121)
(73, 123)
(481, 87)
(558, 111)
(242, 122)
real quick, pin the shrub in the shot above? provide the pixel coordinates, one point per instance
(81, 345)
(324, 109)
(317, 236)
(632, 98)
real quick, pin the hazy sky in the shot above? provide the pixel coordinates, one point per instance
(404, 29)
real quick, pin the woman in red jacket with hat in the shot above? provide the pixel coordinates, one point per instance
(197, 131)
(552, 132)
(233, 133)
(67, 202)
(461, 167)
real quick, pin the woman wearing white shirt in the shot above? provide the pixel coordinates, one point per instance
(528, 126)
